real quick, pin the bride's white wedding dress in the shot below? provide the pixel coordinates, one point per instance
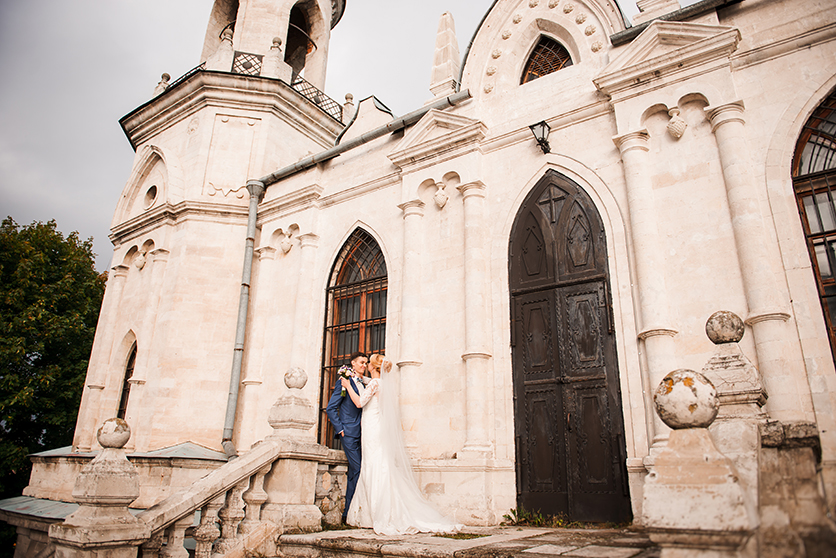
(387, 498)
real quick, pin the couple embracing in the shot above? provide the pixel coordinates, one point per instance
(381, 492)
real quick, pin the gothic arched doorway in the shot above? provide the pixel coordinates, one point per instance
(569, 429)
(355, 314)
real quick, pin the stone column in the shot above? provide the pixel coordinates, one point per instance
(100, 360)
(102, 525)
(775, 341)
(301, 342)
(655, 328)
(409, 360)
(477, 323)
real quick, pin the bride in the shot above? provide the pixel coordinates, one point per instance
(387, 498)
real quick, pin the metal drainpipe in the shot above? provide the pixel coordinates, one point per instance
(256, 189)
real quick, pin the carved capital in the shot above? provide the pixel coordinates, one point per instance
(308, 240)
(412, 207)
(723, 114)
(758, 317)
(639, 139)
(656, 331)
(120, 271)
(472, 189)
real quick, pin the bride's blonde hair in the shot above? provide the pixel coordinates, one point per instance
(376, 361)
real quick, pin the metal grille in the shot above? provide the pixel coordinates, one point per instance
(355, 315)
(126, 384)
(817, 205)
(187, 75)
(246, 63)
(547, 57)
(816, 148)
(331, 107)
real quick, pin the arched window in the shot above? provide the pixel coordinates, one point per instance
(126, 384)
(814, 181)
(547, 57)
(355, 314)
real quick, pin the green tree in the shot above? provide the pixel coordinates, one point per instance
(50, 294)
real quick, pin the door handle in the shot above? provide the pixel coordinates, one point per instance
(569, 422)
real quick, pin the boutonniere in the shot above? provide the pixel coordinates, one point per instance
(344, 372)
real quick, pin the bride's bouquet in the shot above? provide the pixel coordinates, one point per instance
(344, 372)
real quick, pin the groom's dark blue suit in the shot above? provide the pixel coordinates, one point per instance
(345, 416)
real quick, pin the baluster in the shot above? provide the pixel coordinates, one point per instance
(255, 498)
(207, 532)
(174, 536)
(231, 514)
(151, 547)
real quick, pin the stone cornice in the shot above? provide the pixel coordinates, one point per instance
(296, 200)
(697, 49)
(230, 91)
(168, 214)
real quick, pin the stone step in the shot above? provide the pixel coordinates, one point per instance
(486, 542)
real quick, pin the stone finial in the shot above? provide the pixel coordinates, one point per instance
(293, 415)
(295, 378)
(104, 488)
(114, 433)
(446, 65)
(162, 85)
(686, 399)
(349, 109)
(271, 64)
(739, 385)
(724, 327)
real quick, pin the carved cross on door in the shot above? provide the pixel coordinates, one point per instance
(551, 201)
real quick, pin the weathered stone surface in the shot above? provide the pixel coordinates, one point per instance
(686, 399)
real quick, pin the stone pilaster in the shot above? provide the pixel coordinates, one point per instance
(301, 342)
(655, 329)
(409, 360)
(768, 306)
(100, 359)
(477, 322)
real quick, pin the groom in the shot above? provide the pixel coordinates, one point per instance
(345, 416)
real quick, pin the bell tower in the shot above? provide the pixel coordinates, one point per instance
(240, 34)
(167, 333)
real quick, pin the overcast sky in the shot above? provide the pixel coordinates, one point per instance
(71, 68)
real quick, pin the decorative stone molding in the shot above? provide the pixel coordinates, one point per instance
(676, 125)
(656, 332)
(777, 316)
(650, 59)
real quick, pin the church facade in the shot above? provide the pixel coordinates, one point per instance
(532, 290)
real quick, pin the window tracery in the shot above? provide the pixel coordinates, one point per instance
(547, 57)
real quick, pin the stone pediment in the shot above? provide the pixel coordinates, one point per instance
(435, 134)
(668, 49)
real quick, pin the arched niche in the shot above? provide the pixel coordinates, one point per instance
(155, 180)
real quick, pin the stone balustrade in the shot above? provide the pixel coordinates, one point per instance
(233, 511)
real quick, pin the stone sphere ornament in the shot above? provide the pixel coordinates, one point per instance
(686, 399)
(114, 433)
(724, 327)
(295, 378)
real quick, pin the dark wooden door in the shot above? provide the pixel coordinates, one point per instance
(569, 429)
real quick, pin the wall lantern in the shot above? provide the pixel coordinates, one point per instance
(541, 134)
